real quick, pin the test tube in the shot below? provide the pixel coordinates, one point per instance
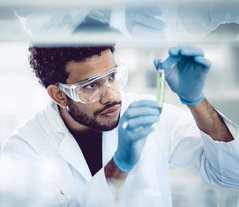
(160, 86)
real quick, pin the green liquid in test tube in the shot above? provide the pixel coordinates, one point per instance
(160, 88)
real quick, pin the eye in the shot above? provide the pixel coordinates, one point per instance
(113, 76)
(91, 86)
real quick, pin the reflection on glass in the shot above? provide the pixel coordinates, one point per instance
(161, 21)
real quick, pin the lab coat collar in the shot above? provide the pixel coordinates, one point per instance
(109, 145)
(56, 122)
(71, 152)
(68, 148)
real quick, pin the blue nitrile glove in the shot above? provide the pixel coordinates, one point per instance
(142, 22)
(134, 127)
(186, 70)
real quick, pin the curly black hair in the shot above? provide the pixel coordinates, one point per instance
(49, 63)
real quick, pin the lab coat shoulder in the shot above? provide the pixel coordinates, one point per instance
(38, 134)
(44, 176)
(32, 151)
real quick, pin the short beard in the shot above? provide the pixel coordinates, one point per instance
(91, 122)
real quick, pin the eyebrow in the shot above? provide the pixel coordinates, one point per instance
(95, 77)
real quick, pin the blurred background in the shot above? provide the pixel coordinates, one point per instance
(142, 32)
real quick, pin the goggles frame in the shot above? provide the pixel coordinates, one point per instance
(73, 90)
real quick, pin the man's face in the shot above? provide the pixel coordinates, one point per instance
(102, 115)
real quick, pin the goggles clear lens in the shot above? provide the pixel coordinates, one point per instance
(91, 90)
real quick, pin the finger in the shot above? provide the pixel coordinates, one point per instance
(191, 51)
(148, 21)
(142, 133)
(203, 61)
(152, 11)
(185, 50)
(141, 121)
(170, 61)
(177, 53)
(149, 103)
(141, 111)
(174, 57)
(158, 63)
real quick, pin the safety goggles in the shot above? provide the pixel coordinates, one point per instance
(92, 89)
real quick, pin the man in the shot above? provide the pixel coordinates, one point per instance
(94, 135)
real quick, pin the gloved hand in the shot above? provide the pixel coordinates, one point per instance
(186, 70)
(134, 127)
(141, 22)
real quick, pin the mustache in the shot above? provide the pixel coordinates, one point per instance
(99, 111)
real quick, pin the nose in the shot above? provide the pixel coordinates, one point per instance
(108, 95)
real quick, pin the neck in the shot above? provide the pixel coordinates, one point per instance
(72, 124)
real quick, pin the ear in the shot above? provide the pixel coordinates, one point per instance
(57, 95)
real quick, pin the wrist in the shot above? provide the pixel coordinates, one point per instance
(112, 172)
(121, 165)
(191, 103)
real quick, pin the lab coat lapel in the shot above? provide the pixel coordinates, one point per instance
(71, 152)
(67, 185)
(110, 143)
(68, 148)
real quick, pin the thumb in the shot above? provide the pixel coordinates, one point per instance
(170, 61)
(158, 63)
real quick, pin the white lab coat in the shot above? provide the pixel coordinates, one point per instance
(42, 164)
